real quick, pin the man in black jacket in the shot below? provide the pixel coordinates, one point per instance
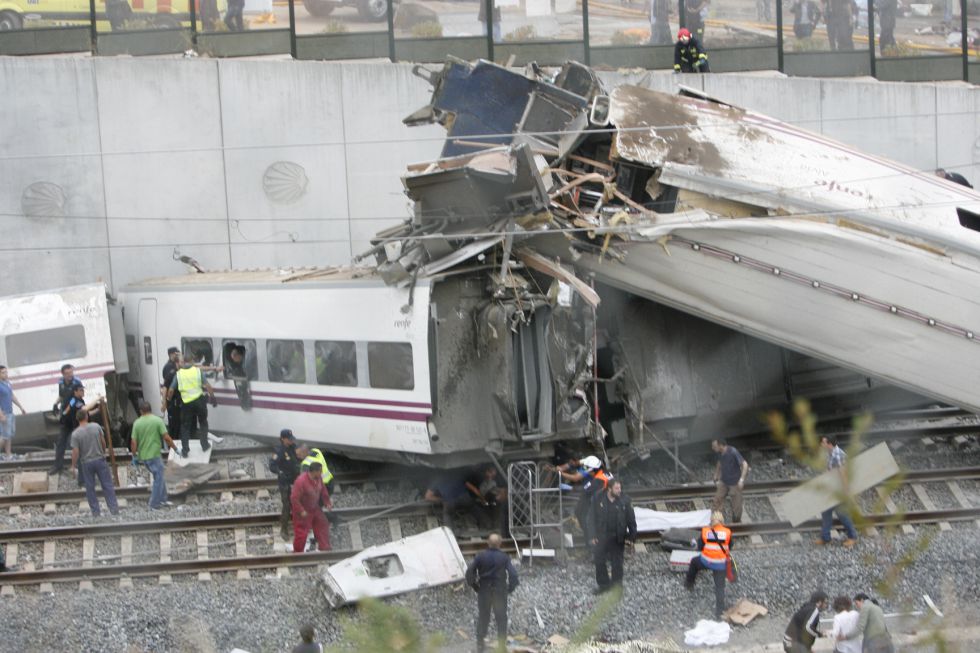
(492, 576)
(613, 525)
(802, 630)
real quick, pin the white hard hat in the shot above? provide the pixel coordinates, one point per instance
(591, 462)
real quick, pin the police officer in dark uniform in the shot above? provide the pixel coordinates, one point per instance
(171, 407)
(689, 54)
(285, 463)
(66, 390)
(492, 576)
(613, 527)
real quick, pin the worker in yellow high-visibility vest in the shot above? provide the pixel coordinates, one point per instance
(190, 382)
(316, 456)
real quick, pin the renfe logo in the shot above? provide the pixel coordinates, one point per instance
(404, 324)
(835, 186)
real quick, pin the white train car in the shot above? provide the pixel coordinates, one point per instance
(41, 332)
(348, 362)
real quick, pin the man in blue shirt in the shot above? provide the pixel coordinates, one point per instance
(492, 576)
(730, 473)
(836, 459)
(7, 423)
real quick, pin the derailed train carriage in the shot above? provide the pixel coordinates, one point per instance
(636, 268)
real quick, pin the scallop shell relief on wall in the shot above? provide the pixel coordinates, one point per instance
(42, 199)
(285, 182)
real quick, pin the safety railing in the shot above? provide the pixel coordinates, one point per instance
(881, 38)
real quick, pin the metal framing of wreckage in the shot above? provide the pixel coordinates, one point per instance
(534, 509)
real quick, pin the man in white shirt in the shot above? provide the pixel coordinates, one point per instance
(845, 620)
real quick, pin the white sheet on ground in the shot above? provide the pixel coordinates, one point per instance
(654, 520)
(708, 633)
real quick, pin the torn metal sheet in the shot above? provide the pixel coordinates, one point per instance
(864, 471)
(425, 560)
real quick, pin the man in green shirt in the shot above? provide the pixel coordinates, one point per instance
(871, 624)
(149, 434)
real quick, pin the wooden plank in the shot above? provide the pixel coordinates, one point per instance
(202, 553)
(545, 265)
(123, 472)
(892, 509)
(865, 470)
(88, 551)
(241, 551)
(261, 469)
(395, 528)
(923, 496)
(431, 522)
(12, 551)
(777, 506)
(755, 538)
(48, 557)
(960, 496)
(165, 547)
(356, 542)
(126, 550)
(699, 503)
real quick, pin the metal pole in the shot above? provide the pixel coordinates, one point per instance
(871, 36)
(779, 35)
(93, 32)
(963, 42)
(104, 409)
(488, 8)
(391, 31)
(681, 16)
(585, 31)
(292, 30)
(193, 8)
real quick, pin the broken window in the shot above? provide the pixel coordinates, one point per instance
(198, 349)
(240, 359)
(45, 346)
(336, 362)
(383, 566)
(390, 365)
(287, 363)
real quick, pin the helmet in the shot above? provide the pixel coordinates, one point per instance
(591, 463)
(683, 33)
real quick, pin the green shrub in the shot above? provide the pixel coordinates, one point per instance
(334, 26)
(522, 33)
(430, 29)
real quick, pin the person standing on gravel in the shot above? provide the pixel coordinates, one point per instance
(836, 459)
(66, 390)
(802, 630)
(845, 620)
(715, 543)
(190, 382)
(613, 527)
(493, 577)
(730, 473)
(88, 447)
(306, 498)
(148, 437)
(285, 463)
(7, 421)
(871, 624)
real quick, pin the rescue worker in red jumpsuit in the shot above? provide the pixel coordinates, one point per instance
(306, 497)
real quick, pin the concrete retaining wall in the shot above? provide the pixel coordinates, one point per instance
(109, 168)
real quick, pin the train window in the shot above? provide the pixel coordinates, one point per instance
(240, 358)
(198, 348)
(390, 365)
(336, 362)
(287, 363)
(45, 346)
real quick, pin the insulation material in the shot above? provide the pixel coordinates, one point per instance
(655, 520)
(708, 633)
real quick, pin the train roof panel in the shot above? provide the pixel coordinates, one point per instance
(265, 276)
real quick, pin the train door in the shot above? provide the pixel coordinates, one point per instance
(146, 345)
(532, 389)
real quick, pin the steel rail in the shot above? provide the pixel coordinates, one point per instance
(210, 487)
(229, 564)
(32, 464)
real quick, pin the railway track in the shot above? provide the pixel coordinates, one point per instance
(245, 543)
(39, 464)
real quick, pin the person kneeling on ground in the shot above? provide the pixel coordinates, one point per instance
(715, 543)
(689, 54)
